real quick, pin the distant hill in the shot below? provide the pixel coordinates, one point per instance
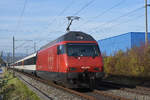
(7, 57)
(1, 62)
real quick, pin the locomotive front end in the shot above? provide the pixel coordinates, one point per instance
(84, 63)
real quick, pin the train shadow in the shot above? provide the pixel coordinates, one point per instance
(105, 86)
(126, 81)
(83, 90)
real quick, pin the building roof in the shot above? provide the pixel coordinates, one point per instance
(122, 35)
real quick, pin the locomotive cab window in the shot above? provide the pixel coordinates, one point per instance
(83, 49)
(61, 49)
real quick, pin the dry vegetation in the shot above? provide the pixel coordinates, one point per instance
(132, 63)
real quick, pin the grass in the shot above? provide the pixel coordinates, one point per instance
(13, 89)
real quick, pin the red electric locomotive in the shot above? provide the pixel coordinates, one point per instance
(73, 59)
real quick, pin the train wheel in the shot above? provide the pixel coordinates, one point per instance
(55, 82)
(92, 84)
(35, 74)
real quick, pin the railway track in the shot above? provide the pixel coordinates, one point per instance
(51, 90)
(133, 89)
(100, 95)
(134, 92)
(113, 97)
(44, 87)
(41, 94)
(143, 88)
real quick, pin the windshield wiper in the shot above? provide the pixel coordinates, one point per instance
(75, 55)
(93, 56)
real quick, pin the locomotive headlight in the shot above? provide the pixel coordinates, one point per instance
(80, 37)
(96, 68)
(72, 69)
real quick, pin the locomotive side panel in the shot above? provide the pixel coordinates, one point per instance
(41, 60)
(49, 64)
(47, 60)
(52, 59)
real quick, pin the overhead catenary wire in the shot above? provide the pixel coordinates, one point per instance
(104, 12)
(127, 21)
(21, 15)
(124, 22)
(77, 12)
(109, 9)
(5, 46)
(20, 45)
(80, 11)
(66, 8)
(61, 13)
(18, 24)
(85, 6)
(5, 38)
(23, 10)
(121, 16)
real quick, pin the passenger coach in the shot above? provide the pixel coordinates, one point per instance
(27, 64)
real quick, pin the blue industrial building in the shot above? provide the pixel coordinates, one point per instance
(122, 42)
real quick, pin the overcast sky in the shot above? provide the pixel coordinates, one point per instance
(44, 20)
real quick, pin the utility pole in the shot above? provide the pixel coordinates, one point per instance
(13, 53)
(27, 51)
(146, 22)
(8, 57)
(1, 55)
(34, 46)
(23, 44)
(13, 49)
